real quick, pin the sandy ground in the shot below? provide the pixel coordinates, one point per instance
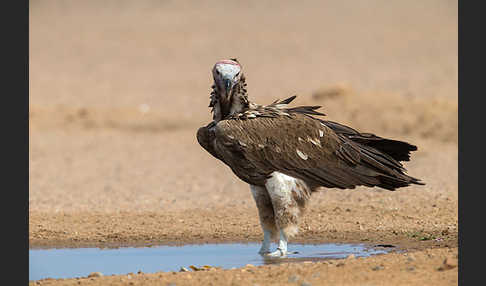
(119, 89)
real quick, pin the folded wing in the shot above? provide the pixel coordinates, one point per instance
(322, 153)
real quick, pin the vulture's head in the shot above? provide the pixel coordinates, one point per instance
(229, 94)
(226, 75)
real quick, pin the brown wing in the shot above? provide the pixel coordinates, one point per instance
(304, 147)
(205, 137)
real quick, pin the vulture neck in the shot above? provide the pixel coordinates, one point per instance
(237, 102)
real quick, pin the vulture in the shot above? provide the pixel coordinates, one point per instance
(286, 153)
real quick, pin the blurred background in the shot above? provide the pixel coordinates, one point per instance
(119, 88)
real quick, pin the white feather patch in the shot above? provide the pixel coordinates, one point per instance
(302, 154)
(321, 133)
(280, 187)
(316, 141)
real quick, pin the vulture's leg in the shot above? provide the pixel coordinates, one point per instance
(289, 197)
(266, 214)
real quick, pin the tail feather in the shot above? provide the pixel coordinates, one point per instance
(398, 150)
(380, 157)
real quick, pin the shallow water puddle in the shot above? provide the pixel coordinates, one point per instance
(80, 262)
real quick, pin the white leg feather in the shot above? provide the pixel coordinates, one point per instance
(280, 204)
(282, 189)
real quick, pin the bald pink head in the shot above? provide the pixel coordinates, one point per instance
(229, 62)
(226, 74)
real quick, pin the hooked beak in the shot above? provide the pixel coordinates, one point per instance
(228, 85)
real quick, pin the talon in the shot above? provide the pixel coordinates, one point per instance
(277, 253)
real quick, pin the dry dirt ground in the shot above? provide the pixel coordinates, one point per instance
(119, 88)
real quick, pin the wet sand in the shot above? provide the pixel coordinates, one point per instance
(119, 90)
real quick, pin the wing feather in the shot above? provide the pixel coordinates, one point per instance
(301, 146)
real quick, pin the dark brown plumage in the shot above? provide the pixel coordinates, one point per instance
(285, 153)
(259, 141)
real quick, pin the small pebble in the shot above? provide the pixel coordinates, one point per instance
(340, 264)
(448, 263)
(294, 278)
(95, 274)
(376, 268)
(411, 258)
